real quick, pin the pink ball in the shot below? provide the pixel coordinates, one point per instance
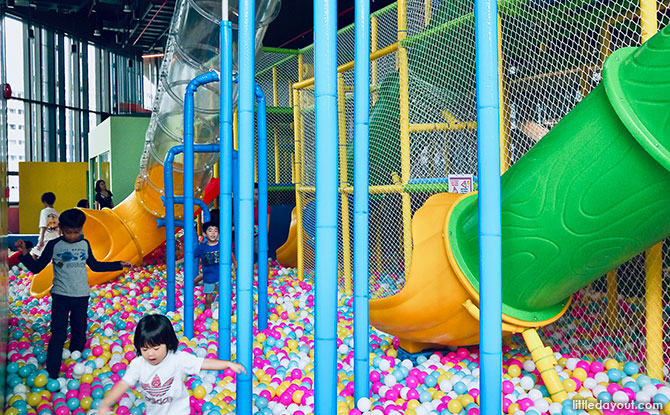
(507, 387)
(63, 410)
(525, 403)
(391, 394)
(374, 376)
(412, 394)
(97, 351)
(123, 410)
(596, 367)
(411, 381)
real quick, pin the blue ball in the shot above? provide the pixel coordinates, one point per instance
(604, 397)
(52, 385)
(73, 384)
(73, 403)
(460, 388)
(425, 396)
(660, 398)
(430, 381)
(13, 367)
(615, 375)
(261, 402)
(631, 368)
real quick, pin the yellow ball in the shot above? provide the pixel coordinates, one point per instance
(40, 380)
(86, 378)
(611, 364)
(580, 374)
(569, 385)
(466, 399)
(34, 399)
(86, 402)
(12, 411)
(297, 396)
(454, 406)
(412, 404)
(514, 370)
(199, 392)
(513, 408)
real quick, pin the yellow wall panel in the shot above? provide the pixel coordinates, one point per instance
(66, 180)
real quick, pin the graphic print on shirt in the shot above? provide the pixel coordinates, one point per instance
(210, 258)
(52, 222)
(156, 390)
(74, 257)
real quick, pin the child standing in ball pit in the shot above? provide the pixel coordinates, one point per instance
(70, 254)
(160, 369)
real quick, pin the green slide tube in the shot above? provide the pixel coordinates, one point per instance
(593, 193)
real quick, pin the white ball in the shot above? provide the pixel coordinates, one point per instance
(542, 405)
(364, 404)
(389, 380)
(620, 397)
(384, 365)
(75, 355)
(527, 383)
(79, 369)
(590, 383)
(601, 377)
(555, 408)
(66, 354)
(528, 365)
(446, 386)
(534, 395)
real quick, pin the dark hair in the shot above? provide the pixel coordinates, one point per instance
(72, 218)
(49, 198)
(255, 185)
(154, 330)
(83, 203)
(97, 185)
(208, 225)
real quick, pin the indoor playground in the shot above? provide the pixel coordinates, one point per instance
(468, 209)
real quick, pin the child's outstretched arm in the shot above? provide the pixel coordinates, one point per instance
(216, 364)
(110, 399)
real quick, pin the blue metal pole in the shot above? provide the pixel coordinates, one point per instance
(236, 202)
(490, 228)
(189, 236)
(168, 202)
(245, 275)
(179, 200)
(361, 214)
(325, 93)
(225, 187)
(262, 209)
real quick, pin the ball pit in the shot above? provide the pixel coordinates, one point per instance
(283, 373)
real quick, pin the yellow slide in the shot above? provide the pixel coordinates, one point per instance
(287, 254)
(438, 305)
(128, 232)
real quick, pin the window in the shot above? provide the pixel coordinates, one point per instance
(12, 126)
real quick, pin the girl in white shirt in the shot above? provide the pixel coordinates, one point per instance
(160, 369)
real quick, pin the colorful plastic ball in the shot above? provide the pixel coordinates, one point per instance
(199, 392)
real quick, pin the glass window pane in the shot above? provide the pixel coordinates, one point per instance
(14, 50)
(92, 79)
(13, 182)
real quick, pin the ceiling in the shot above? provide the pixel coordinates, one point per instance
(141, 26)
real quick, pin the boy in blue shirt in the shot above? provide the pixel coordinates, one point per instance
(208, 252)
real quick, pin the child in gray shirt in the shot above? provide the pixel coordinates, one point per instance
(70, 254)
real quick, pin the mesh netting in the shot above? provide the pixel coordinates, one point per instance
(551, 58)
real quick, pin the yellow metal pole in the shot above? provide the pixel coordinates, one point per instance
(404, 131)
(373, 63)
(297, 172)
(427, 11)
(612, 300)
(290, 95)
(235, 130)
(544, 360)
(654, 255)
(654, 311)
(277, 175)
(344, 211)
(648, 19)
(502, 97)
(275, 97)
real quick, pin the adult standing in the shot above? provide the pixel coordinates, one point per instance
(103, 197)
